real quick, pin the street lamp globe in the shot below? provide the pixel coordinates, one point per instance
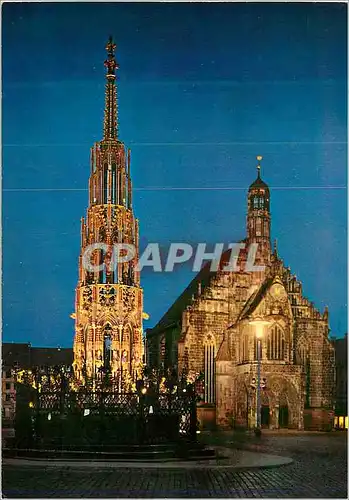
(259, 324)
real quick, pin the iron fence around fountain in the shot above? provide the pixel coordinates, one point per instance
(69, 419)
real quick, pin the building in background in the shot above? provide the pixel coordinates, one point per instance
(24, 357)
(109, 302)
(14, 357)
(341, 396)
(208, 329)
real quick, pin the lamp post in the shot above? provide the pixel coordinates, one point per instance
(259, 324)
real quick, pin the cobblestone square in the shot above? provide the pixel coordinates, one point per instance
(319, 470)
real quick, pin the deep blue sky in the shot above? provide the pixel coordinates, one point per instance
(203, 89)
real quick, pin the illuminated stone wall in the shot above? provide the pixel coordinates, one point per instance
(297, 365)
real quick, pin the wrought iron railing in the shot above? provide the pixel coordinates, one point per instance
(58, 413)
(74, 420)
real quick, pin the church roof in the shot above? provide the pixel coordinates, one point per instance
(26, 356)
(49, 356)
(259, 183)
(255, 299)
(16, 353)
(174, 313)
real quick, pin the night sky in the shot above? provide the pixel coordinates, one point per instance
(203, 89)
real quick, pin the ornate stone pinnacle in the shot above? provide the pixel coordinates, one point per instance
(111, 63)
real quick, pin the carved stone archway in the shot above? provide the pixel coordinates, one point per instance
(286, 403)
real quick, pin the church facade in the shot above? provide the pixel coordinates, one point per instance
(109, 298)
(211, 329)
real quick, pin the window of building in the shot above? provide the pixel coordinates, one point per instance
(8, 385)
(105, 184)
(276, 344)
(94, 199)
(244, 355)
(113, 183)
(103, 272)
(258, 202)
(8, 397)
(209, 369)
(302, 354)
(107, 346)
(258, 227)
(127, 344)
(162, 351)
(265, 226)
(256, 349)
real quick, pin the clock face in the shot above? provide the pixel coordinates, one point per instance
(277, 291)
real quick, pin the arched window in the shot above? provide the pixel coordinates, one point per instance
(209, 369)
(244, 355)
(302, 354)
(94, 190)
(276, 344)
(107, 350)
(258, 202)
(256, 348)
(113, 183)
(258, 227)
(303, 359)
(101, 260)
(127, 346)
(265, 228)
(105, 183)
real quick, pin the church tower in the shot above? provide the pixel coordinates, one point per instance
(258, 216)
(109, 299)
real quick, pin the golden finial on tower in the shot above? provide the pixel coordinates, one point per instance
(111, 63)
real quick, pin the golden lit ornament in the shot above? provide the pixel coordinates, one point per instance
(277, 291)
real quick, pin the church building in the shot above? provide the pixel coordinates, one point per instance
(211, 328)
(109, 298)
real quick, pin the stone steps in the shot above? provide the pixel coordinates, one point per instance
(165, 452)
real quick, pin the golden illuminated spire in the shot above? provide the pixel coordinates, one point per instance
(107, 319)
(111, 110)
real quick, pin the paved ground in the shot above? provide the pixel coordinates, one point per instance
(226, 458)
(319, 470)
